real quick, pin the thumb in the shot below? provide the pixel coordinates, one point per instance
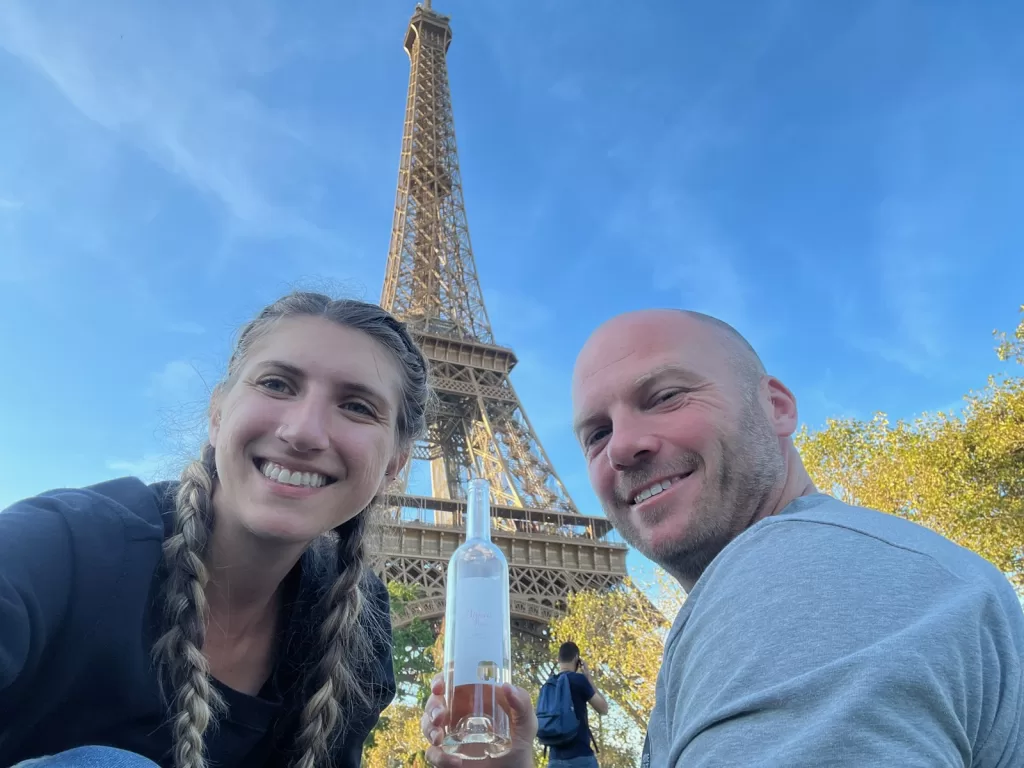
(519, 701)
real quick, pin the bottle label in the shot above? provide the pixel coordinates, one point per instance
(479, 630)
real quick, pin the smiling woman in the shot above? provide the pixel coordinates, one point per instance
(229, 617)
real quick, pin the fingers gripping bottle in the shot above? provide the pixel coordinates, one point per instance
(477, 641)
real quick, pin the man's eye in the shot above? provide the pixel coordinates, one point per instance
(665, 395)
(595, 436)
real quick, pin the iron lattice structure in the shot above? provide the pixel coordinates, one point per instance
(480, 427)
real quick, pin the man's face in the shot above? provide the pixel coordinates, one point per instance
(679, 444)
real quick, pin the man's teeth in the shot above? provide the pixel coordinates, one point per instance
(655, 489)
(282, 475)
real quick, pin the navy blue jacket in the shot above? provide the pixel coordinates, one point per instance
(80, 583)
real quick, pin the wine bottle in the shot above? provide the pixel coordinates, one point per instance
(477, 640)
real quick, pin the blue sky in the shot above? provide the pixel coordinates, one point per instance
(837, 179)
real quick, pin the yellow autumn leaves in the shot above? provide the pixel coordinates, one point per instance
(961, 475)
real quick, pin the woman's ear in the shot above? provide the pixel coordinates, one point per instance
(395, 466)
(214, 422)
(214, 414)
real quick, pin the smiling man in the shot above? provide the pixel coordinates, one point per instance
(814, 632)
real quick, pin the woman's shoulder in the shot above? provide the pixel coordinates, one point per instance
(91, 519)
(73, 553)
(126, 503)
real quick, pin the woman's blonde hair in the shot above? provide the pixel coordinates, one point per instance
(345, 641)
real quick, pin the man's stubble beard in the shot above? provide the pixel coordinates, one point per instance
(750, 467)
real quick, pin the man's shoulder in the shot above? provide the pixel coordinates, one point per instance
(580, 685)
(835, 609)
(829, 565)
(828, 511)
(821, 529)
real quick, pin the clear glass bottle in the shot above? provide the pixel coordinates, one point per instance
(477, 640)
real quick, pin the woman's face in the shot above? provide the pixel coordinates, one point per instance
(304, 435)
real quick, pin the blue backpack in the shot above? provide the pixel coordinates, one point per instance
(556, 717)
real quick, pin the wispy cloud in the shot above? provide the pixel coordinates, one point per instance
(665, 215)
(149, 468)
(915, 259)
(187, 327)
(7, 204)
(178, 381)
(944, 163)
(180, 394)
(954, 408)
(914, 271)
(543, 386)
(819, 401)
(703, 267)
(681, 252)
(515, 313)
(179, 82)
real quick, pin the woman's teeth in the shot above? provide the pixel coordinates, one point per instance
(288, 477)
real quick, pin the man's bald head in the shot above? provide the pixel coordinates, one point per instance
(740, 355)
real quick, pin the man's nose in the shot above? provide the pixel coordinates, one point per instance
(305, 425)
(630, 445)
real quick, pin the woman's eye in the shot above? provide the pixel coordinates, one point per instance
(361, 408)
(275, 384)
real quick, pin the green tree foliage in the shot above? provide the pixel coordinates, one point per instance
(412, 647)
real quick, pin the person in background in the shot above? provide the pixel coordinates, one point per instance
(814, 632)
(580, 753)
(229, 618)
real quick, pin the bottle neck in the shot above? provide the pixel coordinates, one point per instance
(478, 511)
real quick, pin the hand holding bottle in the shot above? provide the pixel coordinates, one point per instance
(515, 701)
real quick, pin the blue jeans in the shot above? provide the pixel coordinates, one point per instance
(90, 757)
(586, 761)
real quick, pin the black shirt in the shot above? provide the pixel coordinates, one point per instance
(582, 692)
(80, 585)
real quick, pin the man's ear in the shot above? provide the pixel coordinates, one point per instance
(782, 411)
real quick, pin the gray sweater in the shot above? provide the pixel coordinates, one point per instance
(830, 635)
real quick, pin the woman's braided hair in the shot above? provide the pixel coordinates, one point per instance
(344, 641)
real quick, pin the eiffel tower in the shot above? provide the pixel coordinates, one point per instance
(480, 427)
